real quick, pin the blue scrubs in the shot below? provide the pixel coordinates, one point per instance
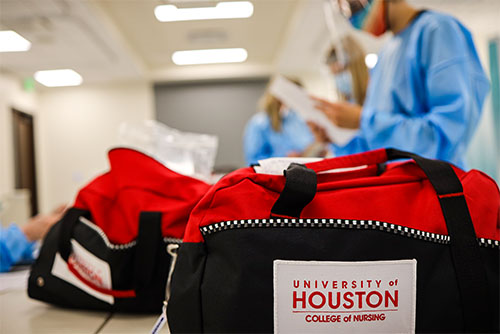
(425, 93)
(14, 247)
(260, 141)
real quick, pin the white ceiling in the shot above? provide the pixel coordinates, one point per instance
(155, 41)
(110, 40)
(65, 34)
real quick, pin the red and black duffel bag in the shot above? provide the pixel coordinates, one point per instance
(109, 251)
(401, 247)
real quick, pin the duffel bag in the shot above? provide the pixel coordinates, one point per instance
(110, 250)
(348, 244)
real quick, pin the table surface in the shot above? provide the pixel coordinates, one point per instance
(20, 314)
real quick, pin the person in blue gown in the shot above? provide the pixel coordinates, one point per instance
(276, 131)
(426, 91)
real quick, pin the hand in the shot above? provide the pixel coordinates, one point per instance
(319, 133)
(343, 114)
(38, 226)
(293, 154)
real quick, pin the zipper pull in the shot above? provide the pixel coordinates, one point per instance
(162, 320)
(172, 251)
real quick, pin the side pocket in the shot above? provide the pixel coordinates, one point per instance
(184, 306)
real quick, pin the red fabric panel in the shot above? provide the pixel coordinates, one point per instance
(353, 160)
(135, 183)
(402, 195)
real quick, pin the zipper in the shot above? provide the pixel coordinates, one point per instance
(336, 223)
(104, 237)
(112, 246)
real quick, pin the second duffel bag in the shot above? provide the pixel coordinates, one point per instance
(109, 252)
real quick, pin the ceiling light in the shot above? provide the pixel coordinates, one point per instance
(11, 41)
(223, 10)
(211, 56)
(58, 78)
(371, 60)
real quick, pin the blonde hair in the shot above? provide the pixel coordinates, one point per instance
(355, 65)
(272, 105)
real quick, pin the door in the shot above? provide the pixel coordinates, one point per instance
(24, 155)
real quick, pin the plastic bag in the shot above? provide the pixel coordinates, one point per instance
(187, 153)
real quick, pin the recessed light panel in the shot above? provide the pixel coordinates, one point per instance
(223, 10)
(11, 41)
(58, 78)
(210, 56)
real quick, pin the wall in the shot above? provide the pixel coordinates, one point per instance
(220, 108)
(76, 127)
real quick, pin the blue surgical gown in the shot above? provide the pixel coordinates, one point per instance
(14, 247)
(425, 93)
(260, 141)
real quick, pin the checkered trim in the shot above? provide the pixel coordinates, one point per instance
(337, 223)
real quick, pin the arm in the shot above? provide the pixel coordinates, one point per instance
(17, 243)
(254, 142)
(13, 247)
(453, 92)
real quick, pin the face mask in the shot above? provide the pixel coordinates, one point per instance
(343, 82)
(371, 18)
(284, 112)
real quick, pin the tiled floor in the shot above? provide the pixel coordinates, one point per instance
(125, 323)
(20, 314)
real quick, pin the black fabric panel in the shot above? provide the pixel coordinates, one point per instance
(55, 290)
(149, 240)
(149, 299)
(300, 188)
(68, 223)
(184, 307)
(237, 287)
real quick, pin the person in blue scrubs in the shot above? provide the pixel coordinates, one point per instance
(17, 243)
(427, 89)
(276, 131)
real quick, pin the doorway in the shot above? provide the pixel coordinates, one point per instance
(24, 156)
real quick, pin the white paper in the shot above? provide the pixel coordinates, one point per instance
(276, 166)
(345, 297)
(297, 99)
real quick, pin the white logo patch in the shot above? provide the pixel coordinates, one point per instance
(89, 266)
(326, 297)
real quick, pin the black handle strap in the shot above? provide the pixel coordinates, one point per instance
(300, 188)
(469, 267)
(68, 223)
(149, 240)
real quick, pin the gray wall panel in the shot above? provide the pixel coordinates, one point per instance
(219, 108)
